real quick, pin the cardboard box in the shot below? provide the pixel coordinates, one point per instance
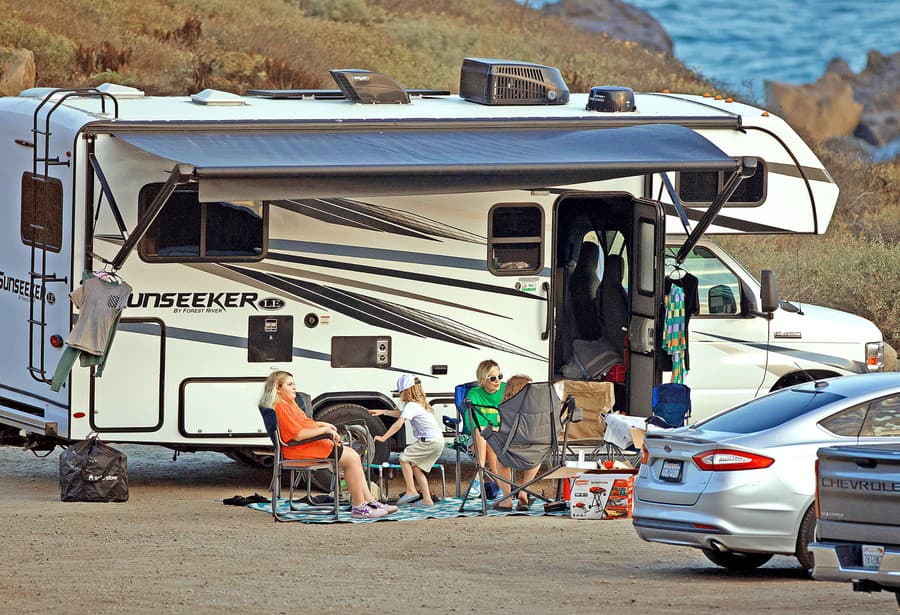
(599, 494)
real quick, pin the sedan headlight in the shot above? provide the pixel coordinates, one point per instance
(875, 356)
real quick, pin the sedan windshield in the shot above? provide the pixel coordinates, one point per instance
(769, 411)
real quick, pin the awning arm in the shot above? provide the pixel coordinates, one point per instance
(677, 202)
(104, 183)
(181, 174)
(747, 169)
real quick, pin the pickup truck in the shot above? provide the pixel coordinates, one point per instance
(858, 517)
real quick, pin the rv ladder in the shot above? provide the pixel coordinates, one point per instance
(38, 276)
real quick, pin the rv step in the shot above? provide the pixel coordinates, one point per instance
(28, 422)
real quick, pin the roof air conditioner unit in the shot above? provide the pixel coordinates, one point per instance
(505, 82)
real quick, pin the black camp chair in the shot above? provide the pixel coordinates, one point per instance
(299, 468)
(531, 424)
(356, 436)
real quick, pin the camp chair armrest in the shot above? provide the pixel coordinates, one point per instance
(324, 436)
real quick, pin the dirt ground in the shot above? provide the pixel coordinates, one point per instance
(175, 547)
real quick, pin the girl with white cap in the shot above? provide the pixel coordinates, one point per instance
(417, 458)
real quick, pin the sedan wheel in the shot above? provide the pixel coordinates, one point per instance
(733, 560)
(804, 537)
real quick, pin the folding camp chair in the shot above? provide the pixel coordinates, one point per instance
(588, 438)
(671, 405)
(356, 436)
(531, 423)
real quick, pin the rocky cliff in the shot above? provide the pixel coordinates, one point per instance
(614, 17)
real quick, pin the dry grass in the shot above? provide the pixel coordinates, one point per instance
(183, 46)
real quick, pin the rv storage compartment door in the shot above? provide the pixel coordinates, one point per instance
(220, 408)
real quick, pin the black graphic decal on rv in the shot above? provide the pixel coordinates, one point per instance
(385, 314)
(358, 214)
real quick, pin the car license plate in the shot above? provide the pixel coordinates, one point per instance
(871, 556)
(671, 471)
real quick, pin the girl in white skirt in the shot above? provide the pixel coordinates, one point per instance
(418, 457)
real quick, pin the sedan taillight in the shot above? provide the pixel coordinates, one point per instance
(721, 459)
(645, 454)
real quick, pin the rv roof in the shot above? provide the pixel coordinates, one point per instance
(650, 107)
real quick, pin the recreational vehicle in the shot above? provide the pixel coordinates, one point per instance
(353, 234)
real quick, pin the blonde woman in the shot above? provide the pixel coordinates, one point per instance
(486, 398)
(280, 393)
(417, 458)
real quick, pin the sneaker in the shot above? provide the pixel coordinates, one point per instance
(388, 507)
(475, 489)
(408, 498)
(367, 512)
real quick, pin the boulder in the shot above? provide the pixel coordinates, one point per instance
(821, 110)
(16, 71)
(877, 88)
(614, 17)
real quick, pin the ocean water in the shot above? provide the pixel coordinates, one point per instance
(741, 45)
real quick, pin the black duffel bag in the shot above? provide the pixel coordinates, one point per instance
(91, 471)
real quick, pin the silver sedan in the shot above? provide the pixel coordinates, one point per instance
(740, 485)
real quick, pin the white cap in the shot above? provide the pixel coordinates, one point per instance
(405, 381)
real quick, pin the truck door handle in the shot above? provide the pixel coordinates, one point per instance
(545, 288)
(865, 463)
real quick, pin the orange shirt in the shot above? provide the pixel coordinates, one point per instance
(291, 419)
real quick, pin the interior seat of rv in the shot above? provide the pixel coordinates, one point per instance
(611, 302)
(583, 287)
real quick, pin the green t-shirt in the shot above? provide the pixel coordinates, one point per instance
(486, 405)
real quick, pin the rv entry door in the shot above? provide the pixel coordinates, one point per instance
(645, 298)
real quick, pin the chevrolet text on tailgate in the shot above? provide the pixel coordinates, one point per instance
(858, 526)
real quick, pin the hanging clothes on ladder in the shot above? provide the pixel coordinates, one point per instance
(100, 299)
(674, 339)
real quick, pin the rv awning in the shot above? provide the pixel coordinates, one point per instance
(245, 165)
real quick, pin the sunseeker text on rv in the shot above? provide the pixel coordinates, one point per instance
(18, 286)
(193, 300)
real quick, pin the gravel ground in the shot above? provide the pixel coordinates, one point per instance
(175, 547)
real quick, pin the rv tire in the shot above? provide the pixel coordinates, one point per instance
(343, 414)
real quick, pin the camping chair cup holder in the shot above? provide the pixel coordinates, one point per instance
(531, 423)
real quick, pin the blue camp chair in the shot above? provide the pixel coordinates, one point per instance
(671, 405)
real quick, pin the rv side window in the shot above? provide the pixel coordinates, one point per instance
(515, 238)
(41, 219)
(699, 188)
(719, 288)
(188, 230)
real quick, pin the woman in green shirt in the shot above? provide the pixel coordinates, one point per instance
(486, 398)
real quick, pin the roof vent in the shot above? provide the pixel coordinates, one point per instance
(120, 91)
(366, 87)
(611, 99)
(505, 82)
(217, 98)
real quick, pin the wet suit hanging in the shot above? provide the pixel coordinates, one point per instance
(100, 301)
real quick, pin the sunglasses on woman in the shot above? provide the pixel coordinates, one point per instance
(495, 378)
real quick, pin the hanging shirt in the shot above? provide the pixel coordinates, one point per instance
(100, 303)
(674, 340)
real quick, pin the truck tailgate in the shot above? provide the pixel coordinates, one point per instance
(860, 485)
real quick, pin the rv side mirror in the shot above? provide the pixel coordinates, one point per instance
(768, 291)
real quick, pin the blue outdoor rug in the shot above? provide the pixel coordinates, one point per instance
(447, 508)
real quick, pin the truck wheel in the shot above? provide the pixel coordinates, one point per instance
(343, 414)
(734, 560)
(804, 537)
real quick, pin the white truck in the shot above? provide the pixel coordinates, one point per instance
(347, 242)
